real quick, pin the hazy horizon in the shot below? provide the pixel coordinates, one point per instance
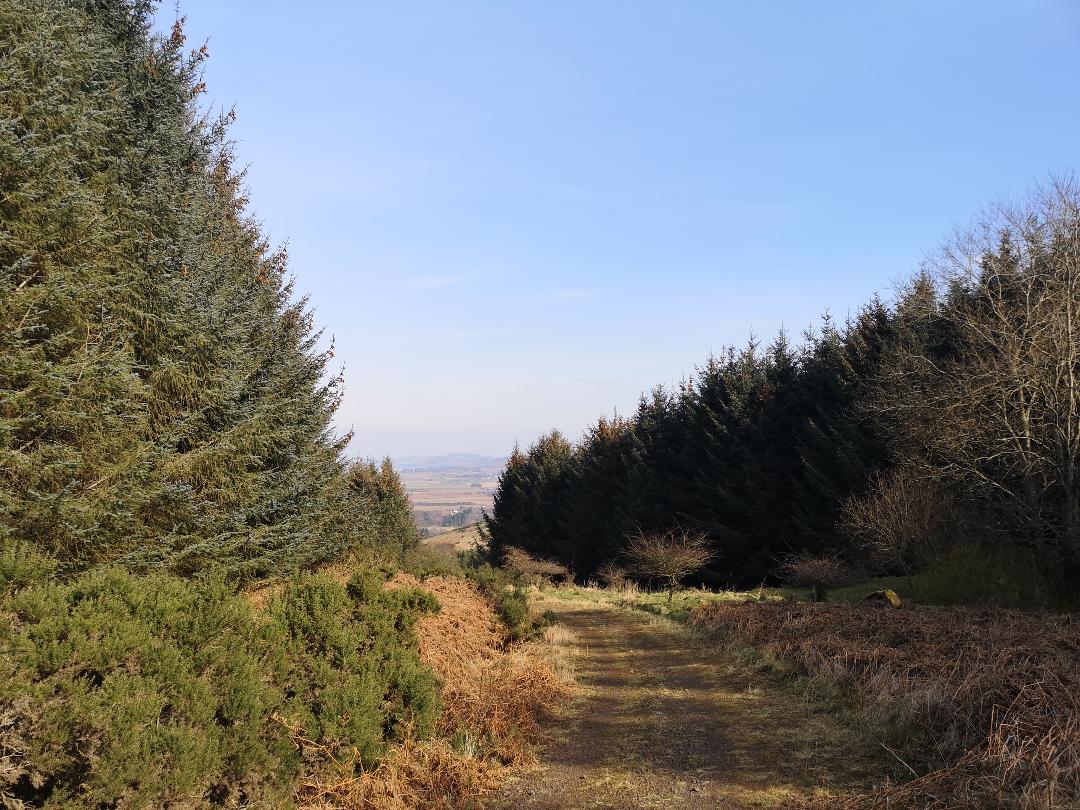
(517, 217)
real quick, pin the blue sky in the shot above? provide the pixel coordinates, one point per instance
(514, 216)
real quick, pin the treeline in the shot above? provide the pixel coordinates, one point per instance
(757, 450)
(947, 421)
(163, 402)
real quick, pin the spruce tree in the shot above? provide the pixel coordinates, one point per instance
(385, 496)
(163, 400)
(595, 515)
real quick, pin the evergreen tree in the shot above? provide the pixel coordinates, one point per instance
(596, 513)
(385, 496)
(162, 398)
(525, 513)
(838, 447)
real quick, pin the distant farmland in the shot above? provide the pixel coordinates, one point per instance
(449, 492)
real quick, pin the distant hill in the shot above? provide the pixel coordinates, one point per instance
(449, 462)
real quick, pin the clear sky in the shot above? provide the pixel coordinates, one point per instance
(514, 216)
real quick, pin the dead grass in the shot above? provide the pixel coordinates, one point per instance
(496, 693)
(981, 706)
(560, 640)
(494, 698)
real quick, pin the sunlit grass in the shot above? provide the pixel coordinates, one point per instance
(656, 602)
(941, 586)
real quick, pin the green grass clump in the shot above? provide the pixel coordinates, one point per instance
(121, 690)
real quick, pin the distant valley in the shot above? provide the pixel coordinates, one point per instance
(449, 491)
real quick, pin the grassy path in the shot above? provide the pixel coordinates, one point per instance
(662, 721)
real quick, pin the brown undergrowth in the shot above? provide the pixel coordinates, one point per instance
(494, 696)
(980, 706)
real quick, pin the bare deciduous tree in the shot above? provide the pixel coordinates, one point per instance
(1000, 412)
(905, 519)
(669, 556)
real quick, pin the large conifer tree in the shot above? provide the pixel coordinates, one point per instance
(162, 399)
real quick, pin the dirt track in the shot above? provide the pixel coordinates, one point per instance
(663, 721)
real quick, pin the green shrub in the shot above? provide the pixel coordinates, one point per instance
(354, 677)
(510, 600)
(514, 611)
(21, 565)
(975, 575)
(429, 561)
(152, 691)
(116, 688)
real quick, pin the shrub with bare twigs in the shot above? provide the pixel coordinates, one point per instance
(906, 519)
(613, 576)
(997, 413)
(535, 570)
(820, 573)
(669, 556)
